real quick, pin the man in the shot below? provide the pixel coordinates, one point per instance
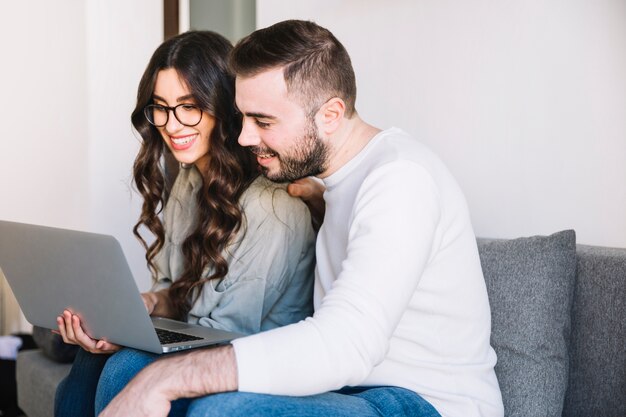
(402, 321)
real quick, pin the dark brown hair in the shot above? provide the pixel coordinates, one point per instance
(317, 67)
(200, 59)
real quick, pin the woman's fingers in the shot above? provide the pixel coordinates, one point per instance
(81, 337)
(61, 327)
(88, 343)
(105, 347)
(72, 332)
(64, 321)
(69, 330)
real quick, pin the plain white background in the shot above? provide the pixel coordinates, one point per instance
(68, 80)
(525, 101)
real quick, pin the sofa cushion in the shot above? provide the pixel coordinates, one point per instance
(530, 282)
(37, 381)
(52, 345)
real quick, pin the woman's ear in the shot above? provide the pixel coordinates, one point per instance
(331, 114)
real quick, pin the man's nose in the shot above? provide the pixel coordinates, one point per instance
(248, 135)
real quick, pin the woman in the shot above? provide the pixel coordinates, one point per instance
(233, 250)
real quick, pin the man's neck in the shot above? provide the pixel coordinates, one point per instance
(347, 142)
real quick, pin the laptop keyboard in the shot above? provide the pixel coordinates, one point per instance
(167, 336)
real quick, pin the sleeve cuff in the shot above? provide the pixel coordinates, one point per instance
(253, 372)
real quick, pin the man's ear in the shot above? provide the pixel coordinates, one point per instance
(331, 114)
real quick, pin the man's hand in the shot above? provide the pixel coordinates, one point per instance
(72, 333)
(186, 375)
(311, 192)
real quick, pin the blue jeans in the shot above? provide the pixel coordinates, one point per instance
(75, 396)
(347, 402)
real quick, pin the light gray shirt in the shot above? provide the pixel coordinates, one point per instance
(270, 260)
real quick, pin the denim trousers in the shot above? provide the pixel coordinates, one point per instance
(76, 394)
(119, 369)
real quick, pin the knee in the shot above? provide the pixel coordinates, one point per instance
(231, 404)
(75, 394)
(128, 361)
(399, 401)
(118, 371)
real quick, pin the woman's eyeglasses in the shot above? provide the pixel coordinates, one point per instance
(186, 114)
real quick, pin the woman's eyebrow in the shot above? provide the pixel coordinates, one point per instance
(179, 99)
(185, 98)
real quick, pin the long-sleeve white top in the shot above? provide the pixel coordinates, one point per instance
(399, 295)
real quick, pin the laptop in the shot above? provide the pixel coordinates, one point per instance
(51, 269)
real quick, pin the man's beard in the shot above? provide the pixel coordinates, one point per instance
(308, 157)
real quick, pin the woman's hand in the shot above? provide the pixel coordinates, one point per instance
(150, 300)
(158, 303)
(311, 192)
(72, 332)
(70, 329)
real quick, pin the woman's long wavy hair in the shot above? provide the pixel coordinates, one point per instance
(201, 60)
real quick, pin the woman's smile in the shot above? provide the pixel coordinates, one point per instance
(183, 142)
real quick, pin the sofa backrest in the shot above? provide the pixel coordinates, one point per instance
(597, 372)
(558, 314)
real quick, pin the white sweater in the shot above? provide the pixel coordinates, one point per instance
(400, 298)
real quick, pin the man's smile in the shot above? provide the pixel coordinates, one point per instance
(263, 153)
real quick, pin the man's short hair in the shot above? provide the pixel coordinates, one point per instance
(317, 67)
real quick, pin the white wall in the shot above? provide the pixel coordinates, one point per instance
(121, 37)
(525, 101)
(44, 142)
(68, 79)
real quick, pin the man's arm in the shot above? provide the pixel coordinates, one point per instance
(370, 259)
(349, 333)
(185, 375)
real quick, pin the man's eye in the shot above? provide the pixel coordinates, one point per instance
(261, 124)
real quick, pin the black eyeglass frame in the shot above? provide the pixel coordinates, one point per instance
(147, 112)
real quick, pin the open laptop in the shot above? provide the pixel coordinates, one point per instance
(51, 269)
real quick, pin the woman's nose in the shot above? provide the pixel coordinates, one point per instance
(172, 124)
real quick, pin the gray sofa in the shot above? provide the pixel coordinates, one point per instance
(558, 327)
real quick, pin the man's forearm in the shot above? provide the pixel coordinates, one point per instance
(201, 372)
(186, 375)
